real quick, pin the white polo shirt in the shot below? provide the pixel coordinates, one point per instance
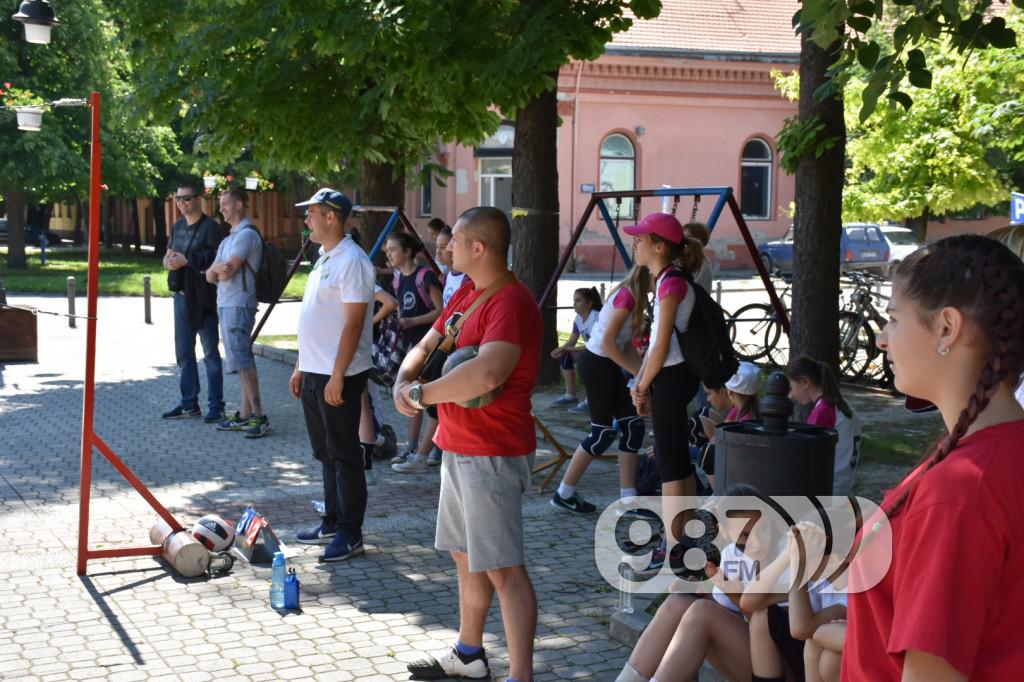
(342, 275)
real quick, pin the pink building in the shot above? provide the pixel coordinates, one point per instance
(684, 100)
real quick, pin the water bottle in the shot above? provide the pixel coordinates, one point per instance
(277, 577)
(291, 590)
(626, 577)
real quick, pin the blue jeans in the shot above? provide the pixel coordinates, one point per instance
(185, 352)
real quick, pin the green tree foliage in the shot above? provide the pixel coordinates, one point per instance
(327, 87)
(966, 25)
(52, 164)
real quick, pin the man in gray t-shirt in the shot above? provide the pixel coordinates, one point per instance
(234, 273)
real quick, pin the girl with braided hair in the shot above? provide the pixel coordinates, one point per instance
(950, 605)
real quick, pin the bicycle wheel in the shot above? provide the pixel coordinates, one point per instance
(856, 345)
(754, 331)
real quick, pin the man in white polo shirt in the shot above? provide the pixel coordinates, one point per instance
(331, 372)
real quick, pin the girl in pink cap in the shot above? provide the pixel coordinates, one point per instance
(665, 383)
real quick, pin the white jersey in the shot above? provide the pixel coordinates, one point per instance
(622, 298)
(585, 327)
(678, 286)
(847, 452)
(452, 283)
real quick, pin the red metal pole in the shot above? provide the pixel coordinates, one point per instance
(766, 279)
(95, 168)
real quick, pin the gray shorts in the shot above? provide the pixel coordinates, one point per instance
(235, 331)
(481, 509)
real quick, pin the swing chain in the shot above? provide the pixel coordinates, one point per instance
(696, 205)
(675, 204)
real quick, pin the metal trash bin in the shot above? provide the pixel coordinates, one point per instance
(775, 455)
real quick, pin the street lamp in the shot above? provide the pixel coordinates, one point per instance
(39, 18)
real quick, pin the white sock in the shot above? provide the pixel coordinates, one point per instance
(379, 440)
(630, 674)
(626, 493)
(565, 491)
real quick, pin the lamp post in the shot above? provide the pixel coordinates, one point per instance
(39, 19)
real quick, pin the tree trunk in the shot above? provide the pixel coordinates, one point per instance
(107, 221)
(160, 223)
(381, 185)
(819, 217)
(80, 211)
(535, 190)
(124, 226)
(136, 226)
(16, 229)
(919, 225)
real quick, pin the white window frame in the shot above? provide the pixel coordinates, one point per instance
(489, 178)
(629, 205)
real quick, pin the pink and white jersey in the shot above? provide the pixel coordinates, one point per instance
(621, 299)
(674, 285)
(847, 447)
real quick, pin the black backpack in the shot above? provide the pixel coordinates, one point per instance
(272, 276)
(705, 344)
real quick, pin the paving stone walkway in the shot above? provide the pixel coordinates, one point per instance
(132, 619)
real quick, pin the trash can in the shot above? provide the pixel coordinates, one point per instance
(775, 455)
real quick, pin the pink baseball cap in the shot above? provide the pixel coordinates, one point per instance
(662, 224)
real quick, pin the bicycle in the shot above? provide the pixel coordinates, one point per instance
(755, 329)
(858, 349)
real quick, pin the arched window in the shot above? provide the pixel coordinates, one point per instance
(618, 170)
(756, 180)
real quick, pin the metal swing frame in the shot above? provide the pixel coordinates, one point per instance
(724, 198)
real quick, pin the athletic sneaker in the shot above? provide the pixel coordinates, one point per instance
(434, 458)
(403, 457)
(390, 445)
(342, 548)
(234, 423)
(258, 427)
(180, 412)
(582, 408)
(416, 464)
(214, 417)
(574, 504)
(450, 663)
(564, 400)
(320, 535)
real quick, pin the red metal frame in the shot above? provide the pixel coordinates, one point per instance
(89, 437)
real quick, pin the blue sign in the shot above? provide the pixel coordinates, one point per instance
(1016, 208)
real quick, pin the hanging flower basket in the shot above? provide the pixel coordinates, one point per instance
(29, 118)
(252, 183)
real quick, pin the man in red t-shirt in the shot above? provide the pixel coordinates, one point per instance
(486, 465)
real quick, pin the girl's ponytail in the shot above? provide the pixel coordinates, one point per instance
(693, 255)
(823, 376)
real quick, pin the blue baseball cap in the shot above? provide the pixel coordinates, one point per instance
(330, 197)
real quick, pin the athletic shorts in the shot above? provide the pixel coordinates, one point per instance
(236, 325)
(607, 393)
(480, 513)
(671, 391)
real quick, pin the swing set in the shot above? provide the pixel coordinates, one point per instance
(724, 198)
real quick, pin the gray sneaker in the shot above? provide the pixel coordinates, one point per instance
(417, 464)
(402, 457)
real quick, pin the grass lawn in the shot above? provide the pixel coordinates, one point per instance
(120, 275)
(283, 341)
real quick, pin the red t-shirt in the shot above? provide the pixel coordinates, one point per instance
(505, 427)
(953, 588)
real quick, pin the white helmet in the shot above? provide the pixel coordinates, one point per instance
(214, 533)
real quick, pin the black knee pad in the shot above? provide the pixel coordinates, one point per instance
(631, 433)
(599, 440)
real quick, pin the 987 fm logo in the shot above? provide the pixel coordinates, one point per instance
(755, 544)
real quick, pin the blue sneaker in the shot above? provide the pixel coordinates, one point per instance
(258, 427)
(321, 535)
(214, 417)
(342, 548)
(234, 423)
(181, 412)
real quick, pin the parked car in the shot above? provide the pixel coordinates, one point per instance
(862, 245)
(902, 242)
(31, 234)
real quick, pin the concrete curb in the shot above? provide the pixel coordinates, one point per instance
(288, 357)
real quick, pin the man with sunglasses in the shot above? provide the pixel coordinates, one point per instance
(192, 248)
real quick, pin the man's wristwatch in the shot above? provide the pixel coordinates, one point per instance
(416, 396)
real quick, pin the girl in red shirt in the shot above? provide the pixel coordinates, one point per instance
(951, 605)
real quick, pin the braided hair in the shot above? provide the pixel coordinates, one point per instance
(985, 281)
